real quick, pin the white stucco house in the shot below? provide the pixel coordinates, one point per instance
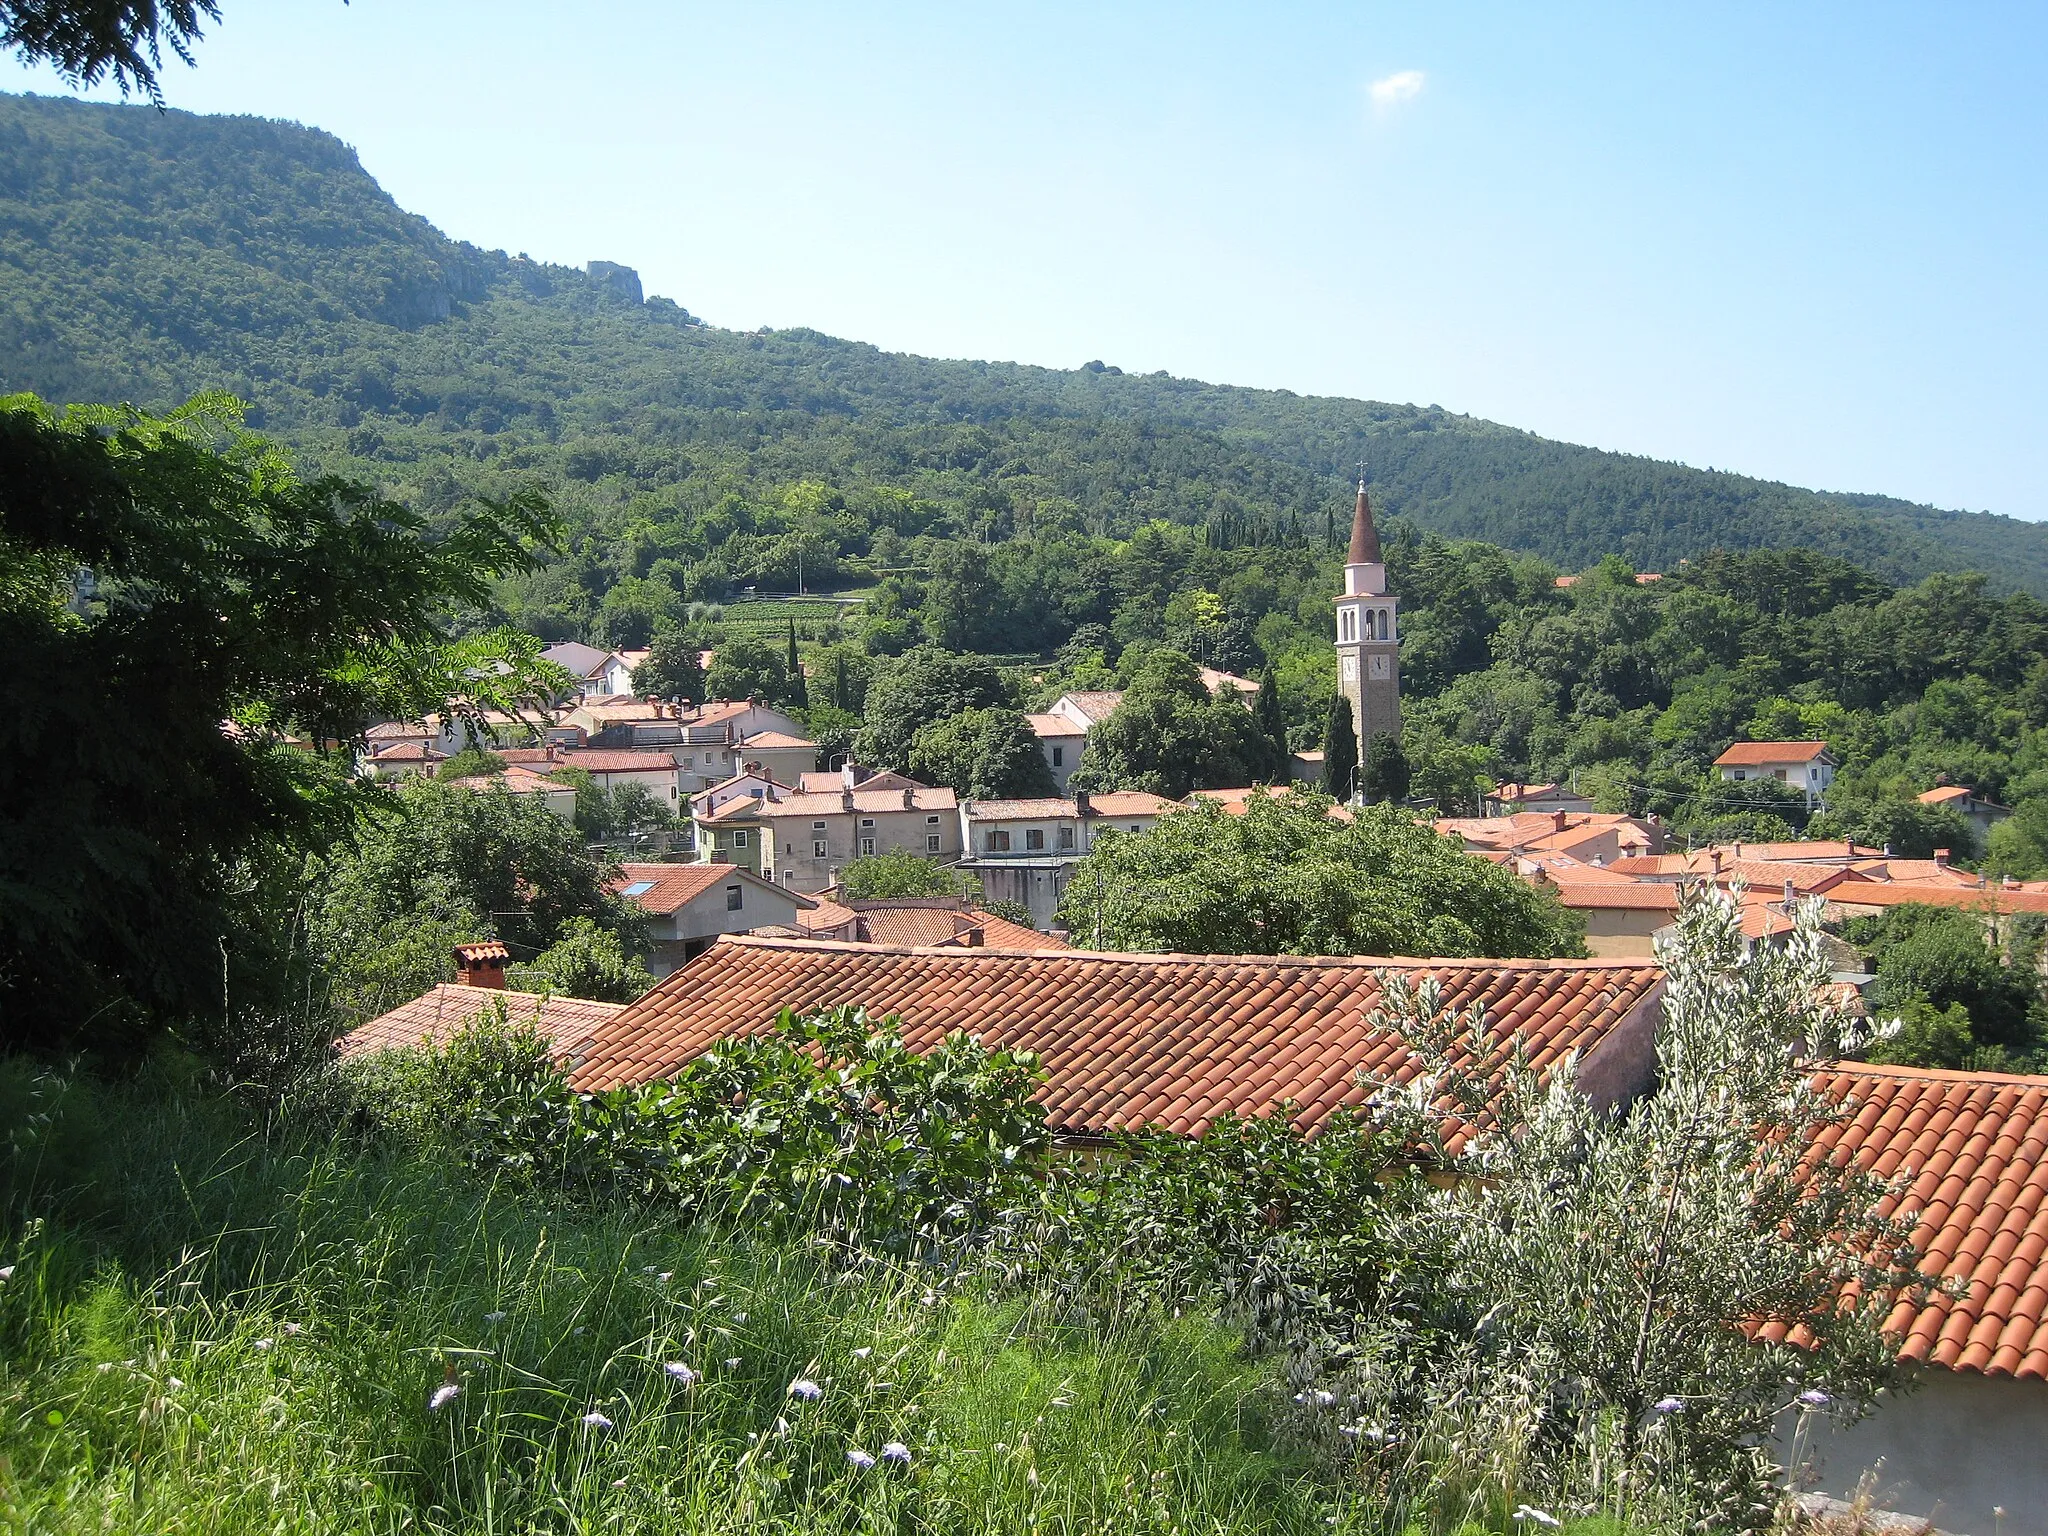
(1803, 765)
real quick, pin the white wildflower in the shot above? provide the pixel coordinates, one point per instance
(444, 1394)
(896, 1453)
(1540, 1516)
(861, 1459)
(1813, 1397)
(494, 1318)
(596, 1420)
(806, 1390)
(6, 1271)
(264, 1343)
(681, 1372)
(732, 1362)
(863, 1352)
(290, 1328)
(1670, 1405)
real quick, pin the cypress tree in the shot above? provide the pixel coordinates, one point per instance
(1387, 774)
(796, 667)
(1272, 723)
(1340, 750)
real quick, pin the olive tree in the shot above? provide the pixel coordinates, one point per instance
(1649, 1293)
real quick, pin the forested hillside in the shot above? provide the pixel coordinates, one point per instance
(146, 255)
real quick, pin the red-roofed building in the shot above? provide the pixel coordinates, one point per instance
(1980, 813)
(1965, 1449)
(919, 922)
(1132, 1040)
(433, 1018)
(690, 905)
(1803, 765)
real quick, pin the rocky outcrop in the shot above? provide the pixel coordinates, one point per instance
(621, 281)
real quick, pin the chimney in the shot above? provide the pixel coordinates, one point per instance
(1081, 803)
(1788, 897)
(971, 938)
(1557, 820)
(481, 965)
(846, 775)
(846, 799)
(1714, 860)
(1941, 858)
(909, 798)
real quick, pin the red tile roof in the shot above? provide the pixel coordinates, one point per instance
(866, 802)
(761, 739)
(1098, 704)
(1132, 1040)
(1974, 1146)
(1116, 802)
(914, 921)
(673, 886)
(600, 760)
(1605, 895)
(1944, 795)
(1755, 754)
(435, 1016)
(1990, 898)
(1053, 725)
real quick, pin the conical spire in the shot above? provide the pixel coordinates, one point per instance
(1365, 542)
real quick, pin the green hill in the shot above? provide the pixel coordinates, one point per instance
(146, 255)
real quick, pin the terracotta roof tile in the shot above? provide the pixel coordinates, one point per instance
(1975, 1149)
(435, 1016)
(1752, 754)
(1129, 1039)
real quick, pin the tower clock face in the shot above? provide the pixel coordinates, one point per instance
(1350, 669)
(1379, 666)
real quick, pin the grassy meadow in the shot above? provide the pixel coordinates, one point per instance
(207, 1328)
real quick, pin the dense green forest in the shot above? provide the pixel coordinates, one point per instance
(146, 255)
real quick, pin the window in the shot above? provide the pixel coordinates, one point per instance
(671, 791)
(998, 841)
(638, 888)
(931, 821)
(1780, 773)
(867, 847)
(1136, 828)
(734, 895)
(817, 848)
(739, 839)
(817, 826)
(1741, 774)
(1066, 837)
(1059, 757)
(931, 842)
(1034, 840)
(866, 823)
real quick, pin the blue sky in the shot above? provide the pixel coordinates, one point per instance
(1803, 241)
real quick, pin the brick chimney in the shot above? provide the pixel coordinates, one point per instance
(481, 965)
(1557, 820)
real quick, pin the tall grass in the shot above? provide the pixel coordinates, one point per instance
(212, 1330)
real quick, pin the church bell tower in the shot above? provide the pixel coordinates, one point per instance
(1368, 648)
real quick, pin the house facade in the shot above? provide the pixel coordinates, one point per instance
(689, 905)
(1803, 765)
(1980, 813)
(1024, 851)
(802, 838)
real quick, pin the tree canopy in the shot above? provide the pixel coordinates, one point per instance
(1289, 877)
(188, 624)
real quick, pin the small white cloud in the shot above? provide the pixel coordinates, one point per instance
(1390, 92)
